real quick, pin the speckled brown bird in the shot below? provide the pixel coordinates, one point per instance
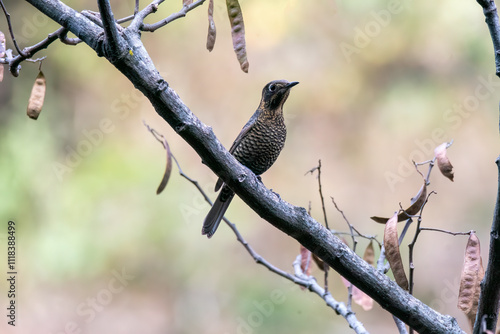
(256, 147)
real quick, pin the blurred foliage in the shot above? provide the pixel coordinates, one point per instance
(365, 116)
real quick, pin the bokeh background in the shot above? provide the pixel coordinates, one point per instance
(381, 83)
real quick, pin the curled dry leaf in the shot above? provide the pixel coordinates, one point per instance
(168, 168)
(415, 206)
(392, 253)
(211, 26)
(443, 162)
(470, 279)
(369, 255)
(238, 32)
(37, 97)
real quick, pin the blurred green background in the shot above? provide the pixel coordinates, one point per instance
(381, 83)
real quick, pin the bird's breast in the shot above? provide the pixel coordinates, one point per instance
(262, 145)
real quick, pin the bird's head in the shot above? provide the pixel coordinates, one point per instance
(275, 94)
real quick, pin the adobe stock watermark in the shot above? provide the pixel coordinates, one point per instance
(198, 207)
(89, 308)
(453, 118)
(94, 137)
(363, 36)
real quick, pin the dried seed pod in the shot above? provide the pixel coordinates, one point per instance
(369, 255)
(168, 168)
(470, 278)
(211, 26)
(413, 209)
(443, 162)
(37, 97)
(238, 32)
(392, 253)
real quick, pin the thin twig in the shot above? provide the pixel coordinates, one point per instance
(7, 16)
(445, 231)
(186, 9)
(32, 50)
(318, 168)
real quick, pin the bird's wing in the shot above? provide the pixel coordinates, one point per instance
(250, 124)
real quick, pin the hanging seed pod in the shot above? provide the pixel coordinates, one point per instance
(37, 96)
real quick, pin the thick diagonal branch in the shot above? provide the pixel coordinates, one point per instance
(138, 67)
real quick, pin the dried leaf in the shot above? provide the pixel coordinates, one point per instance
(37, 96)
(168, 169)
(305, 260)
(470, 280)
(211, 26)
(415, 206)
(392, 253)
(443, 162)
(359, 297)
(369, 255)
(187, 2)
(238, 32)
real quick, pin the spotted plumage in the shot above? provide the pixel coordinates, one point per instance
(256, 147)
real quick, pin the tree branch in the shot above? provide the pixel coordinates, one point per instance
(490, 286)
(138, 67)
(109, 25)
(172, 17)
(491, 19)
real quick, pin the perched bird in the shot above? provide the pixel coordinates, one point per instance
(257, 146)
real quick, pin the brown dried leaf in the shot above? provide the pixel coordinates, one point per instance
(168, 168)
(369, 255)
(443, 162)
(415, 206)
(392, 253)
(305, 260)
(37, 97)
(211, 26)
(470, 279)
(238, 32)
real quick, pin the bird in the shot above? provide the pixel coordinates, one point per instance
(257, 146)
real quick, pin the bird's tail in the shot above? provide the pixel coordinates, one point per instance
(217, 211)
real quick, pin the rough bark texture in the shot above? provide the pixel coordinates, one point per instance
(133, 61)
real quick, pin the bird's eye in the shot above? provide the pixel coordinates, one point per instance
(272, 87)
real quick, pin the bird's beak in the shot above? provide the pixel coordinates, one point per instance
(291, 84)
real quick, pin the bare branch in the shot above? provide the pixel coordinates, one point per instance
(7, 17)
(299, 278)
(490, 286)
(109, 25)
(491, 15)
(173, 17)
(445, 231)
(32, 50)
